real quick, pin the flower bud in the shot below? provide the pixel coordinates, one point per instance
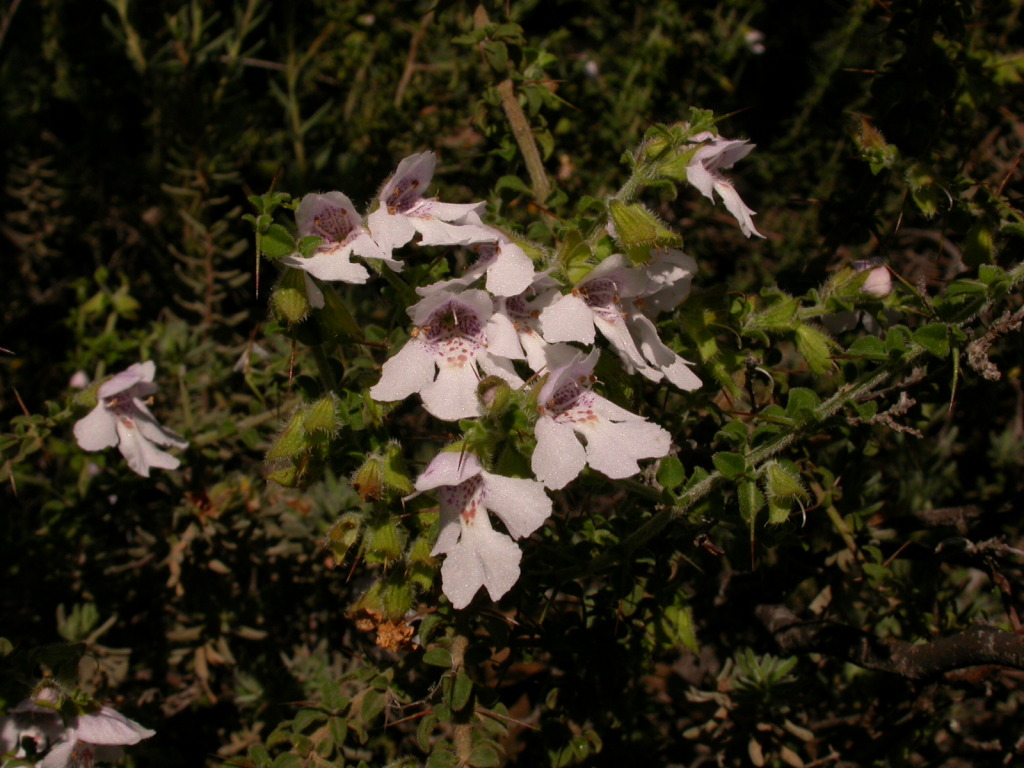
(368, 480)
(289, 300)
(638, 230)
(291, 441)
(495, 395)
(344, 534)
(878, 282)
(384, 543)
(396, 475)
(396, 599)
(322, 416)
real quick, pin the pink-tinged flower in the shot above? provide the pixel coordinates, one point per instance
(121, 418)
(30, 724)
(96, 737)
(404, 211)
(610, 298)
(446, 356)
(513, 331)
(669, 279)
(477, 555)
(704, 172)
(509, 270)
(333, 218)
(569, 410)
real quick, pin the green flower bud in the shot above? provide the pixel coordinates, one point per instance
(344, 534)
(396, 599)
(638, 230)
(291, 441)
(495, 395)
(396, 475)
(368, 480)
(384, 543)
(287, 477)
(289, 300)
(322, 416)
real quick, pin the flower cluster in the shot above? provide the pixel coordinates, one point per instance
(35, 729)
(504, 324)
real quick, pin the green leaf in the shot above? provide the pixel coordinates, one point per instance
(513, 183)
(731, 465)
(438, 657)
(868, 347)
(671, 473)
(288, 760)
(751, 500)
(276, 243)
(934, 338)
(801, 404)
(462, 689)
(677, 621)
(338, 729)
(485, 756)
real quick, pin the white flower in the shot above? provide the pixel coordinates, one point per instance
(703, 173)
(513, 331)
(509, 270)
(404, 211)
(669, 279)
(610, 298)
(476, 554)
(450, 343)
(29, 722)
(615, 438)
(121, 418)
(333, 218)
(93, 738)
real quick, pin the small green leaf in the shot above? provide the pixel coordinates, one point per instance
(868, 347)
(513, 183)
(485, 756)
(801, 404)
(934, 338)
(751, 500)
(288, 760)
(731, 465)
(276, 243)
(671, 473)
(462, 689)
(438, 657)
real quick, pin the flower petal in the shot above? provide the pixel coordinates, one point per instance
(141, 454)
(134, 375)
(408, 371)
(558, 457)
(512, 271)
(521, 503)
(453, 395)
(448, 468)
(483, 557)
(98, 430)
(568, 319)
(109, 726)
(613, 448)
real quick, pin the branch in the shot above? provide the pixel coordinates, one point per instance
(972, 647)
